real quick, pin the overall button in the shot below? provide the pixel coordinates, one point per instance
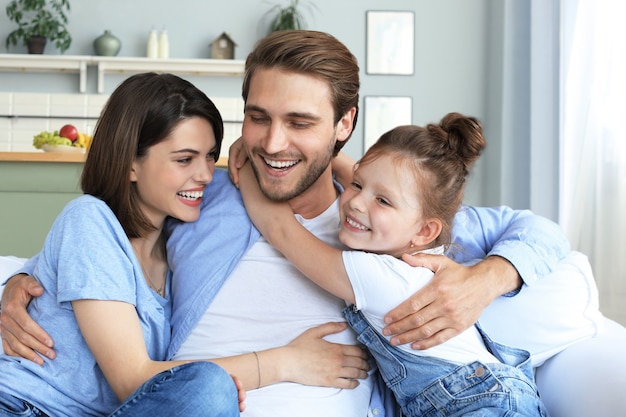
(480, 371)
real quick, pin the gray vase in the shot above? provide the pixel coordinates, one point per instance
(107, 44)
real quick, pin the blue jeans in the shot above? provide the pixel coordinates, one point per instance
(193, 389)
(11, 406)
(432, 387)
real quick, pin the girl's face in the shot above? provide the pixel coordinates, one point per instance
(381, 211)
(171, 177)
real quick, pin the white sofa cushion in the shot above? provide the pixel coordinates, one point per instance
(559, 310)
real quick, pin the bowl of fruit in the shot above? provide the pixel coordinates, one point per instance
(67, 139)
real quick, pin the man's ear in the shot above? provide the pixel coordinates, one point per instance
(428, 232)
(345, 125)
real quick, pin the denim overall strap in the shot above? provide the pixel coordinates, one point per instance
(431, 387)
(508, 355)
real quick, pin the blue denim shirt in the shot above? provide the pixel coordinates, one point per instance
(533, 244)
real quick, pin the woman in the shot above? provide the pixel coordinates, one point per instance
(104, 271)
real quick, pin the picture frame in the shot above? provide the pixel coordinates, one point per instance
(383, 113)
(390, 42)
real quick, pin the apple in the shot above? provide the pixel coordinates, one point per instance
(69, 131)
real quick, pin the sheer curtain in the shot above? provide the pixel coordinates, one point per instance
(593, 142)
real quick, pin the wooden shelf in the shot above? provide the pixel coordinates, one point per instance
(120, 65)
(40, 156)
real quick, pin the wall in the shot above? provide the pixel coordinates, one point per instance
(32, 194)
(451, 49)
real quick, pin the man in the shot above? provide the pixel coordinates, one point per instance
(234, 295)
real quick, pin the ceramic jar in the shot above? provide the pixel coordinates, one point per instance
(107, 44)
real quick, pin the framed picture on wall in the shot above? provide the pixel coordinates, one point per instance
(390, 42)
(383, 113)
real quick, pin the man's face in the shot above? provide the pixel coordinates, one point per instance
(289, 131)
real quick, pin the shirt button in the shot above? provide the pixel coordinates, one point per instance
(375, 411)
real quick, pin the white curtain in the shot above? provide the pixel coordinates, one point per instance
(593, 141)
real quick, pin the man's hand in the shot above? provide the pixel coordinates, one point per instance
(452, 302)
(21, 335)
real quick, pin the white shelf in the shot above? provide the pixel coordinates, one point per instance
(119, 65)
(46, 63)
(208, 67)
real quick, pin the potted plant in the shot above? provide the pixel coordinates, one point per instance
(37, 19)
(288, 17)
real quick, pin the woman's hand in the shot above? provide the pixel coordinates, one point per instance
(343, 169)
(21, 335)
(237, 157)
(242, 393)
(315, 361)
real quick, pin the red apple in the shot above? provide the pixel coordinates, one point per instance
(69, 131)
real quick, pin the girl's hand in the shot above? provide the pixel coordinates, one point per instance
(237, 157)
(315, 361)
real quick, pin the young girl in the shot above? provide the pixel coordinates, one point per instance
(103, 267)
(402, 199)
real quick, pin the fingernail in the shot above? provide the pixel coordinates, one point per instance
(386, 332)
(48, 342)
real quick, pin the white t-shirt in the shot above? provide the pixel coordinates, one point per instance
(266, 302)
(382, 282)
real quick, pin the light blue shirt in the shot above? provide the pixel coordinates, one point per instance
(86, 255)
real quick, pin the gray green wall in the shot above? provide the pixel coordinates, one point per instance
(461, 62)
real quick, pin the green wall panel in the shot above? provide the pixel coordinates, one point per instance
(32, 194)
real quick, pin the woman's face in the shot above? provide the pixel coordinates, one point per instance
(380, 210)
(171, 177)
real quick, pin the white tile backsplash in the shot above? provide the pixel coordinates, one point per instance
(231, 109)
(24, 115)
(70, 105)
(95, 104)
(31, 104)
(232, 132)
(5, 135)
(6, 103)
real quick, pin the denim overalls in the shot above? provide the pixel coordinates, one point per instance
(429, 387)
